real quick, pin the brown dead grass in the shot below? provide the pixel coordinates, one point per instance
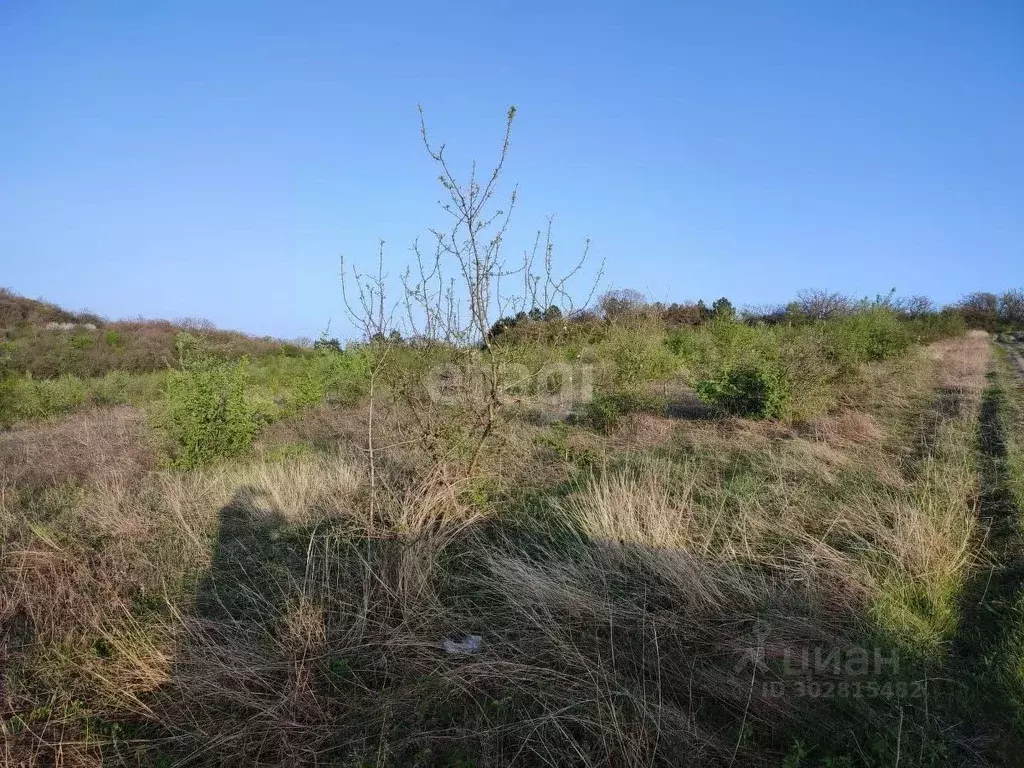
(86, 447)
(963, 361)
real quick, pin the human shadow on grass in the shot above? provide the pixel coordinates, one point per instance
(226, 667)
(247, 690)
(243, 575)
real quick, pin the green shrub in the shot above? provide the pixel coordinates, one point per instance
(601, 414)
(870, 335)
(58, 396)
(208, 416)
(81, 341)
(8, 400)
(719, 344)
(802, 363)
(749, 391)
(637, 356)
(936, 326)
(111, 389)
(145, 388)
(605, 412)
(286, 384)
(26, 398)
(339, 377)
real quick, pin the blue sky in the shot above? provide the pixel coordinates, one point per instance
(215, 159)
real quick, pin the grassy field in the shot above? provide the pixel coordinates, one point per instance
(735, 543)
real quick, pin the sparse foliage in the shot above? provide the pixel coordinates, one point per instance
(621, 303)
(460, 313)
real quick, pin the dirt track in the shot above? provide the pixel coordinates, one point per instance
(1016, 357)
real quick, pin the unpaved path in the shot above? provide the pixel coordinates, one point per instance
(991, 600)
(1016, 357)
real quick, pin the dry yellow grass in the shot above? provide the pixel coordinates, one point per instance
(963, 361)
(284, 612)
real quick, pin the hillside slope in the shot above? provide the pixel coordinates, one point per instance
(44, 340)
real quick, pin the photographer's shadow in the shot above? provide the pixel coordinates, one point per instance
(242, 583)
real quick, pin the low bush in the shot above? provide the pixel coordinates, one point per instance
(28, 398)
(746, 390)
(795, 371)
(60, 395)
(756, 371)
(635, 355)
(605, 411)
(208, 416)
(288, 383)
(8, 400)
(935, 326)
(336, 376)
(871, 335)
(111, 389)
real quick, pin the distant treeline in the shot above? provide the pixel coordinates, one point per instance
(988, 311)
(44, 340)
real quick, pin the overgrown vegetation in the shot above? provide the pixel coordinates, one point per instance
(43, 341)
(257, 606)
(515, 532)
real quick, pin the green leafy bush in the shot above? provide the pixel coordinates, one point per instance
(605, 412)
(800, 361)
(8, 400)
(871, 335)
(111, 389)
(791, 371)
(208, 416)
(939, 325)
(26, 398)
(336, 376)
(636, 356)
(287, 383)
(81, 341)
(749, 391)
(683, 342)
(52, 397)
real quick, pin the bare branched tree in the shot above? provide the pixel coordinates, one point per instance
(367, 307)
(454, 291)
(1011, 307)
(543, 287)
(822, 305)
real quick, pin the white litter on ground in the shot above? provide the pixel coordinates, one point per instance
(469, 644)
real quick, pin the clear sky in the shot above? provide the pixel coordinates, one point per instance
(215, 158)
